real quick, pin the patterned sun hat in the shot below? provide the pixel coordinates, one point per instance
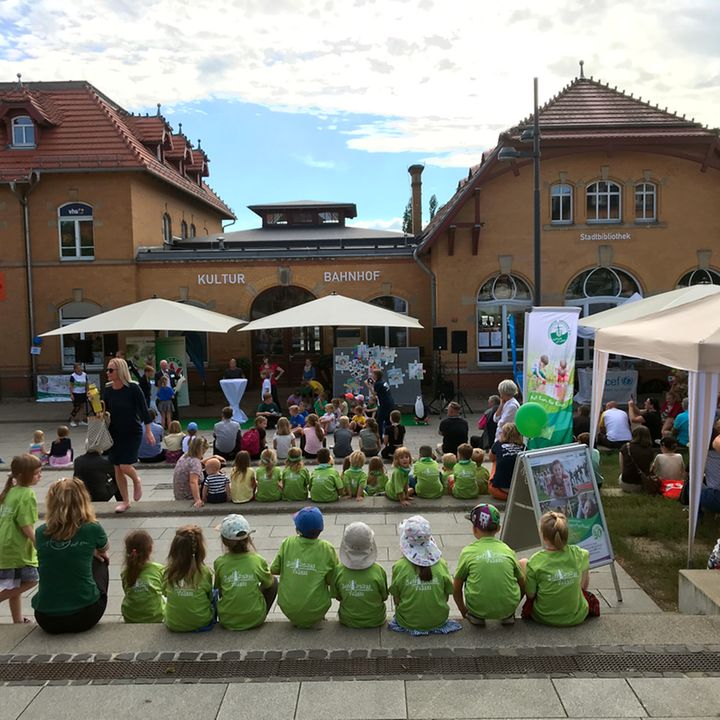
(235, 527)
(417, 543)
(484, 517)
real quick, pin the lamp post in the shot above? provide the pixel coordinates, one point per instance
(510, 153)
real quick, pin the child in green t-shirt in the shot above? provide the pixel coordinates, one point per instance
(377, 477)
(187, 583)
(465, 472)
(243, 580)
(354, 477)
(142, 581)
(359, 583)
(428, 483)
(482, 474)
(268, 478)
(397, 486)
(448, 463)
(305, 565)
(489, 571)
(557, 577)
(295, 476)
(421, 583)
(326, 485)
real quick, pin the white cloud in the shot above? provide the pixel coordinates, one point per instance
(440, 78)
(391, 224)
(312, 162)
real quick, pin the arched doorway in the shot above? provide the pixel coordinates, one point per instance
(288, 347)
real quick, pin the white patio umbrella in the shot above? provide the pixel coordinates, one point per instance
(152, 314)
(333, 311)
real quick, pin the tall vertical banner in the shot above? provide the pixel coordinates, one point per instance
(550, 343)
(172, 349)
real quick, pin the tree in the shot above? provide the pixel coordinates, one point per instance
(407, 218)
(433, 205)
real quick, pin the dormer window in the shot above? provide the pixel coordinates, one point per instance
(23, 131)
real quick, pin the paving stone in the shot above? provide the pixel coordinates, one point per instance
(596, 698)
(360, 700)
(61, 657)
(339, 655)
(5, 658)
(317, 654)
(20, 658)
(678, 697)
(15, 700)
(209, 656)
(255, 655)
(273, 655)
(260, 701)
(231, 655)
(145, 656)
(295, 654)
(166, 656)
(125, 657)
(188, 656)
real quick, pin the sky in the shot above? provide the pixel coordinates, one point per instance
(334, 99)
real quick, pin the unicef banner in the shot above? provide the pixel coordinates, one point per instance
(550, 341)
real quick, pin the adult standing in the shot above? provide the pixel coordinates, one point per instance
(274, 373)
(309, 372)
(128, 412)
(78, 395)
(146, 383)
(454, 430)
(72, 561)
(385, 402)
(232, 371)
(509, 405)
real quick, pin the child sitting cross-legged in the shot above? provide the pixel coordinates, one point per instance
(427, 475)
(268, 478)
(326, 485)
(482, 474)
(377, 477)
(489, 571)
(355, 477)
(305, 564)
(359, 583)
(216, 487)
(295, 476)
(242, 479)
(465, 474)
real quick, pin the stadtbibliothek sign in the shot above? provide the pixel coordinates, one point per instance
(606, 236)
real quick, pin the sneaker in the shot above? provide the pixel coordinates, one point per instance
(509, 620)
(73, 424)
(478, 622)
(83, 422)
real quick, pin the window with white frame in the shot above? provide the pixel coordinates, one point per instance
(561, 209)
(23, 131)
(595, 290)
(192, 230)
(75, 225)
(645, 202)
(603, 202)
(389, 336)
(167, 229)
(70, 313)
(500, 298)
(700, 276)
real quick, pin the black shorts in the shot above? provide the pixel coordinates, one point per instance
(79, 399)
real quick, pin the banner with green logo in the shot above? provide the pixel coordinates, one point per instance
(550, 342)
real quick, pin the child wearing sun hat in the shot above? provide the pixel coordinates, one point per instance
(421, 583)
(359, 583)
(489, 571)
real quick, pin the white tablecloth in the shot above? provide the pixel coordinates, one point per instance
(234, 391)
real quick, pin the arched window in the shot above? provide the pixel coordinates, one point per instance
(645, 202)
(561, 209)
(72, 312)
(183, 230)
(23, 131)
(701, 276)
(192, 230)
(167, 229)
(603, 202)
(389, 336)
(595, 290)
(75, 226)
(499, 298)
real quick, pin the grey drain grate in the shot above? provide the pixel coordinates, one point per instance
(611, 663)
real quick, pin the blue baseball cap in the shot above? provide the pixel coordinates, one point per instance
(192, 426)
(309, 521)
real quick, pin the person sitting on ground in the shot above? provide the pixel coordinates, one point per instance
(328, 420)
(504, 455)
(482, 474)
(152, 453)
(669, 410)
(636, 457)
(446, 471)
(297, 418)
(172, 443)
(377, 477)
(141, 581)
(584, 439)
(232, 371)
(509, 405)
(649, 416)
(192, 433)
(487, 425)
(614, 429)
(226, 435)
(359, 418)
(326, 485)
(370, 439)
(295, 476)
(314, 437)
(465, 474)
(669, 464)
(680, 428)
(394, 435)
(305, 565)
(269, 410)
(454, 430)
(37, 447)
(428, 483)
(216, 486)
(284, 439)
(581, 421)
(61, 452)
(253, 440)
(397, 487)
(98, 475)
(488, 571)
(188, 473)
(355, 477)
(710, 493)
(268, 478)
(343, 439)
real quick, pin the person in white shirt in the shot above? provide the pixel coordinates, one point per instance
(615, 428)
(78, 395)
(509, 405)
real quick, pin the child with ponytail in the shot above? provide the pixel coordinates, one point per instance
(268, 477)
(295, 476)
(141, 581)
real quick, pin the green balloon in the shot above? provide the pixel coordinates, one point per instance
(530, 419)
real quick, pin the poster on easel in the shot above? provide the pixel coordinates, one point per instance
(558, 479)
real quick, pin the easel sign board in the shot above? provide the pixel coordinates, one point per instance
(561, 479)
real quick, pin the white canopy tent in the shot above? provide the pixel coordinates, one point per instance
(686, 337)
(333, 311)
(150, 315)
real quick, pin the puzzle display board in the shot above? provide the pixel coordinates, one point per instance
(403, 370)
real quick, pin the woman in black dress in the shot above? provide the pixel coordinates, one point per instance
(125, 402)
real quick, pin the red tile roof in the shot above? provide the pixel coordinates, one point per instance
(88, 131)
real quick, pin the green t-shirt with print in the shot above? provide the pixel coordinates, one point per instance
(376, 482)
(482, 475)
(397, 483)
(66, 580)
(421, 605)
(325, 482)
(144, 601)
(555, 578)
(427, 478)
(354, 479)
(18, 510)
(239, 577)
(305, 568)
(491, 572)
(295, 483)
(446, 475)
(362, 595)
(189, 604)
(465, 472)
(268, 485)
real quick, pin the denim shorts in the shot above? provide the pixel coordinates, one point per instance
(14, 577)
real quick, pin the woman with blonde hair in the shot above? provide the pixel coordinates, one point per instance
(72, 561)
(189, 472)
(128, 413)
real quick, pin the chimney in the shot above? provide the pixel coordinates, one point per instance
(416, 186)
